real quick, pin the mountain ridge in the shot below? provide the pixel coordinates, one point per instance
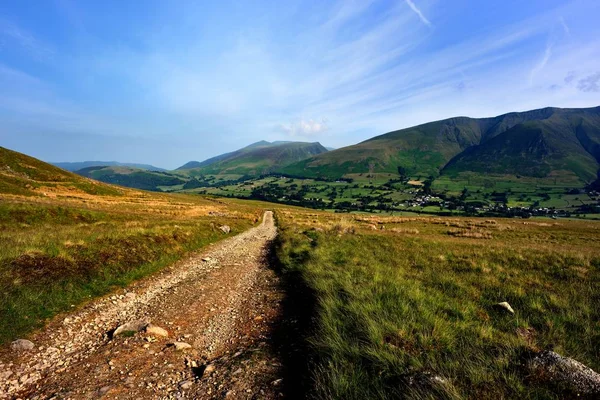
(78, 165)
(428, 149)
(255, 159)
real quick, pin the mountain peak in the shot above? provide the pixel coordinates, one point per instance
(534, 143)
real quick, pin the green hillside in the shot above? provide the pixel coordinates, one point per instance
(257, 159)
(533, 149)
(133, 177)
(24, 175)
(538, 143)
(76, 166)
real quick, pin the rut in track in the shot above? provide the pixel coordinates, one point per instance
(222, 302)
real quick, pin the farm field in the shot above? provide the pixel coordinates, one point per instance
(386, 192)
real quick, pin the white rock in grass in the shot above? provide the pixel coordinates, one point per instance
(225, 229)
(504, 305)
(22, 345)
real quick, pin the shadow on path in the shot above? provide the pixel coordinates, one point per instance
(290, 333)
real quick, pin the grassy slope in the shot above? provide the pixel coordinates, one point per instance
(526, 150)
(24, 175)
(133, 177)
(76, 166)
(425, 149)
(258, 159)
(418, 297)
(64, 238)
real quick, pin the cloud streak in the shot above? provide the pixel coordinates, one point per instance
(16, 36)
(413, 7)
(541, 64)
(337, 72)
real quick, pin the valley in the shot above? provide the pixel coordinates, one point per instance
(538, 163)
(215, 301)
(306, 200)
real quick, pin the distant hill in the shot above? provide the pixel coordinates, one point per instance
(76, 166)
(539, 143)
(256, 159)
(133, 177)
(24, 175)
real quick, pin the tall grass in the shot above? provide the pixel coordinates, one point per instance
(59, 253)
(405, 315)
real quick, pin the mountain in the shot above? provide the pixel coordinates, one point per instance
(24, 175)
(538, 143)
(133, 177)
(256, 159)
(76, 166)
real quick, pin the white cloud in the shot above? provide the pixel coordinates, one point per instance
(412, 5)
(303, 127)
(540, 66)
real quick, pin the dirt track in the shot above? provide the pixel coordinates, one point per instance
(222, 302)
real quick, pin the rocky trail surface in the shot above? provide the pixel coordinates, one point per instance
(199, 329)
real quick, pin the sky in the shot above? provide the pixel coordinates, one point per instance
(164, 83)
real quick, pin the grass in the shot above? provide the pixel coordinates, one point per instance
(401, 299)
(57, 253)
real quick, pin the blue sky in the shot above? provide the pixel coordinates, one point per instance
(167, 82)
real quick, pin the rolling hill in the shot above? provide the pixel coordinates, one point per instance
(24, 175)
(538, 143)
(256, 159)
(133, 177)
(76, 166)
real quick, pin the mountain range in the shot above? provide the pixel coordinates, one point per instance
(259, 158)
(538, 143)
(548, 143)
(76, 166)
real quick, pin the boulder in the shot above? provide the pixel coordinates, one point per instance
(156, 330)
(569, 374)
(22, 345)
(130, 327)
(225, 229)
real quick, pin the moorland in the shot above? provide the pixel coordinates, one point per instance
(392, 306)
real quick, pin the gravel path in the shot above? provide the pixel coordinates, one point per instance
(218, 309)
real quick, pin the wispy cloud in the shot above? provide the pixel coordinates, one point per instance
(14, 35)
(338, 72)
(303, 128)
(590, 83)
(413, 7)
(542, 63)
(564, 25)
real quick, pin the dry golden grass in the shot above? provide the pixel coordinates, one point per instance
(61, 248)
